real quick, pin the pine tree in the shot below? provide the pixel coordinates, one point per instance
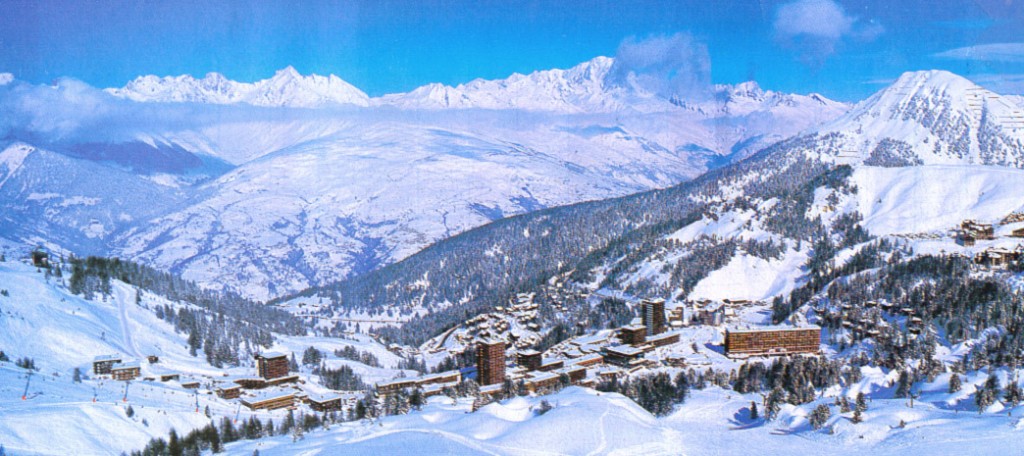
(988, 393)
(76, 376)
(861, 404)
(819, 416)
(955, 384)
(903, 385)
(129, 411)
(773, 403)
(753, 411)
(1013, 394)
(174, 447)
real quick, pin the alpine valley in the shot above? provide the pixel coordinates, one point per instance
(604, 248)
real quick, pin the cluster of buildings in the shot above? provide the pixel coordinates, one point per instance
(972, 231)
(998, 257)
(118, 367)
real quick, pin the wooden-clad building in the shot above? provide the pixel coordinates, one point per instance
(593, 359)
(490, 362)
(652, 314)
(102, 364)
(271, 365)
(664, 339)
(272, 401)
(324, 403)
(633, 334)
(530, 359)
(126, 371)
(622, 355)
(774, 341)
(229, 392)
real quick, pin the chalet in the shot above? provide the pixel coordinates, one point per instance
(492, 390)
(153, 359)
(229, 392)
(1018, 233)
(776, 341)
(324, 403)
(966, 240)
(169, 377)
(102, 364)
(272, 401)
(271, 365)
(126, 371)
(190, 385)
(981, 231)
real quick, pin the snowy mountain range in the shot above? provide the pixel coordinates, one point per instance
(270, 199)
(286, 88)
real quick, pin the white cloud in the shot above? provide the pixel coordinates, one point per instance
(995, 52)
(818, 18)
(814, 28)
(675, 65)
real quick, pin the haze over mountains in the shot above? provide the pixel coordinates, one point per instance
(273, 186)
(293, 181)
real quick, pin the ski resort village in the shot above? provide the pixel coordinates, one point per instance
(531, 228)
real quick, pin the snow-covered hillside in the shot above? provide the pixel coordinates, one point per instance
(713, 421)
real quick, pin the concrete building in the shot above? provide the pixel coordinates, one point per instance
(490, 362)
(126, 371)
(633, 334)
(772, 341)
(271, 365)
(271, 401)
(652, 314)
(102, 364)
(530, 359)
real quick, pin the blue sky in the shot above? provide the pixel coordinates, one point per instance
(843, 49)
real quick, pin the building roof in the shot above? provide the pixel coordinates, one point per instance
(528, 352)
(127, 365)
(542, 376)
(490, 341)
(635, 328)
(269, 396)
(106, 358)
(662, 336)
(321, 398)
(491, 388)
(758, 329)
(584, 359)
(398, 381)
(624, 350)
(270, 355)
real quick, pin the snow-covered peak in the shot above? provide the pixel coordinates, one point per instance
(6, 78)
(286, 88)
(577, 89)
(930, 117)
